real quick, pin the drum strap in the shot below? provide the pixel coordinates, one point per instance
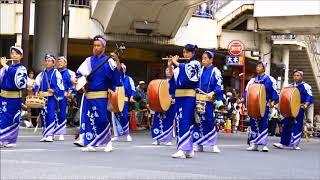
(99, 66)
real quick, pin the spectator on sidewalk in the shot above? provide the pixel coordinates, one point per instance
(140, 91)
(273, 119)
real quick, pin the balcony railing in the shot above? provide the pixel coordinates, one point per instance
(75, 3)
(208, 9)
(80, 3)
(11, 1)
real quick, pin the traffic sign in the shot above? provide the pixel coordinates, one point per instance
(235, 48)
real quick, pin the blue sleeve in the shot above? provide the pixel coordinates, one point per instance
(69, 85)
(271, 87)
(308, 93)
(112, 73)
(57, 85)
(132, 87)
(217, 83)
(172, 87)
(36, 89)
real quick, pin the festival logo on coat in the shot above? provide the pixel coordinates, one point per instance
(20, 78)
(192, 70)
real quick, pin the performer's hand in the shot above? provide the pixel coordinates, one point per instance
(175, 59)
(241, 100)
(210, 95)
(272, 104)
(305, 106)
(50, 90)
(169, 60)
(74, 81)
(114, 56)
(131, 99)
(173, 101)
(68, 94)
(4, 62)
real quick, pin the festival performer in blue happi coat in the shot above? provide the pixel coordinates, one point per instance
(13, 78)
(122, 117)
(211, 87)
(186, 77)
(61, 118)
(95, 119)
(259, 127)
(292, 127)
(49, 84)
(162, 127)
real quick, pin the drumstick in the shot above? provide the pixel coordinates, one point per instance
(35, 129)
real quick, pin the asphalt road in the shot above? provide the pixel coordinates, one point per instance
(139, 159)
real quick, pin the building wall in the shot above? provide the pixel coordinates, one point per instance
(265, 8)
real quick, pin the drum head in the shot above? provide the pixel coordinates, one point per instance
(262, 100)
(120, 98)
(164, 95)
(295, 102)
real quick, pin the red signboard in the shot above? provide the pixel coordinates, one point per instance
(235, 48)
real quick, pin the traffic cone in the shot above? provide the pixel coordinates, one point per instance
(133, 121)
(228, 126)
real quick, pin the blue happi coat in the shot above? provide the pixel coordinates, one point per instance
(162, 126)
(186, 77)
(49, 79)
(95, 118)
(210, 81)
(61, 114)
(259, 127)
(292, 127)
(12, 79)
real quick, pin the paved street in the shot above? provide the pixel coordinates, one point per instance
(140, 160)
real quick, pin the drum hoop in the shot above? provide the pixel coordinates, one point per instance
(295, 89)
(158, 93)
(281, 92)
(247, 97)
(259, 100)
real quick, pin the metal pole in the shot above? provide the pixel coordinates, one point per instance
(25, 32)
(243, 86)
(66, 28)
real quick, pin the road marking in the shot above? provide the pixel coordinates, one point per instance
(150, 146)
(231, 145)
(40, 136)
(22, 150)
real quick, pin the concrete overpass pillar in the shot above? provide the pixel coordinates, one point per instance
(265, 49)
(47, 30)
(285, 61)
